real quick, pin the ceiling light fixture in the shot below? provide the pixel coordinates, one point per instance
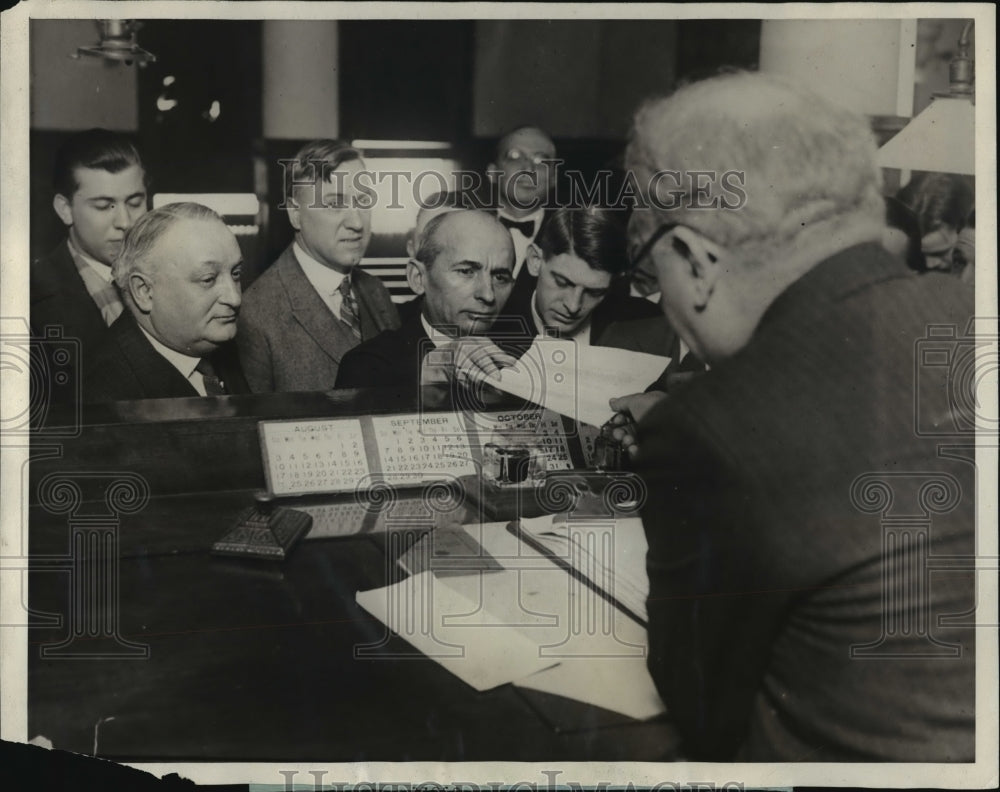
(117, 43)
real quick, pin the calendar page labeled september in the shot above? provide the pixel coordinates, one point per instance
(314, 456)
(418, 448)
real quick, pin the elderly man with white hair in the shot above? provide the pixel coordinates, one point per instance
(792, 616)
(179, 274)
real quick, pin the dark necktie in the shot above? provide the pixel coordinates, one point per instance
(349, 307)
(526, 227)
(690, 363)
(213, 385)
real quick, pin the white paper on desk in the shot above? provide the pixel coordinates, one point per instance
(578, 380)
(619, 684)
(610, 553)
(453, 629)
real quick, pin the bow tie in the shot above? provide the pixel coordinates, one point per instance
(526, 227)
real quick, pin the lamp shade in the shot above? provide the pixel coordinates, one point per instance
(940, 139)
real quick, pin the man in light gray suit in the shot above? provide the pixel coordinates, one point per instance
(314, 304)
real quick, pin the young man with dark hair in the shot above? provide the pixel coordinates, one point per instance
(100, 191)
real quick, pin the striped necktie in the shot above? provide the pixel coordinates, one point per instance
(349, 307)
(213, 385)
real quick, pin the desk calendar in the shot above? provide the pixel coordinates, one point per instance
(351, 517)
(414, 449)
(327, 456)
(302, 457)
(541, 428)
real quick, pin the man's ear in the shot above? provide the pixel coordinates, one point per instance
(533, 261)
(63, 208)
(416, 273)
(705, 260)
(292, 207)
(140, 288)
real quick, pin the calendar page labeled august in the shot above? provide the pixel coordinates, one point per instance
(314, 456)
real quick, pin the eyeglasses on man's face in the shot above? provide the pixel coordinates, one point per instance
(642, 251)
(537, 158)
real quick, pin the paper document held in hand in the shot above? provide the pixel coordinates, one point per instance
(577, 380)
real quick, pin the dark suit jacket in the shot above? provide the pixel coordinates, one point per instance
(128, 367)
(767, 569)
(59, 298)
(392, 359)
(289, 340)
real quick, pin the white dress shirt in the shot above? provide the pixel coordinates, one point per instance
(102, 269)
(325, 280)
(185, 364)
(438, 338)
(521, 241)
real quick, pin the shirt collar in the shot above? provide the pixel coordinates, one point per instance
(185, 364)
(535, 217)
(438, 338)
(325, 280)
(102, 269)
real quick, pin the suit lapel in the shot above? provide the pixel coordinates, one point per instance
(58, 287)
(155, 373)
(375, 315)
(309, 310)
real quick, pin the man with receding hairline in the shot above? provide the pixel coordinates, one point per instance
(179, 273)
(523, 172)
(462, 274)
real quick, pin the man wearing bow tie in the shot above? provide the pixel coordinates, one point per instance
(524, 175)
(315, 304)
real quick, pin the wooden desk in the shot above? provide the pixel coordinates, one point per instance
(256, 661)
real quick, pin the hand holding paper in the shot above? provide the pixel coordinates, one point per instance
(576, 380)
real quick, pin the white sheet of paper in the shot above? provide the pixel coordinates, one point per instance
(607, 669)
(619, 684)
(609, 553)
(576, 380)
(453, 629)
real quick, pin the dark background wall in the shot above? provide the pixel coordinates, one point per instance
(463, 82)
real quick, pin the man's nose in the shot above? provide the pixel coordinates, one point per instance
(123, 217)
(355, 219)
(484, 289)
(574, 301)
(232, 292)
